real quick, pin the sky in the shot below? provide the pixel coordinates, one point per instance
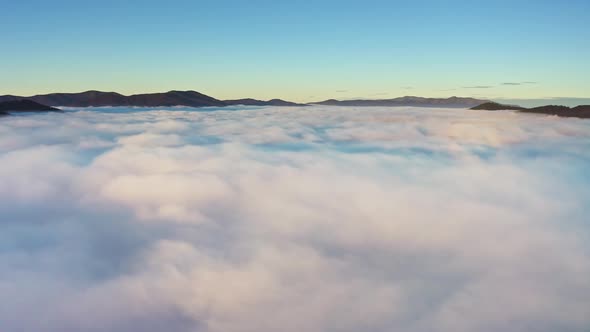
(298, 50)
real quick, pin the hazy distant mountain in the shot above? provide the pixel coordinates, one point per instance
(256, 102)
(455, 102)
(15, 106)
(582, 111)
(98, 98)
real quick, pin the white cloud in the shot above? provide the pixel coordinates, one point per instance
(294, 219)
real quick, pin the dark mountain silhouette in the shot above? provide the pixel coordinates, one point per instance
(256, 102)
(23, 105)
(454, 102)
(11, 103)
(582, 111)
(491, 106)
(98, 98)
(196, 99)
(174, 98)
(171, 98)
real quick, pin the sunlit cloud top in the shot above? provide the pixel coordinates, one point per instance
(294, 219)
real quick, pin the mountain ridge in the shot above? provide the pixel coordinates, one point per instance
(24, 105)
(257, 102)
(98, 98)
(453, 102)
(581, 111)
(192, 98)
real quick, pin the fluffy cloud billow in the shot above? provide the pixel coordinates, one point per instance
(294, 219)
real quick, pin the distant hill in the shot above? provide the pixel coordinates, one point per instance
(171, 98)
(453, 102)
(196, 99)
(98, 98)
(582, 111)
(43, 103)
(491, 106)
(23, 105)
(256, 102)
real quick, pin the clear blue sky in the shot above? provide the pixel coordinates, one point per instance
(299, 50)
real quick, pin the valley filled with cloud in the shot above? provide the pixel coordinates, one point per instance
(294, 219)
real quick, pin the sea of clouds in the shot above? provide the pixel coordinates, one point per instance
(294, 219)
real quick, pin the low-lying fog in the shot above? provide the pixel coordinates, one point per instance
(294, 219)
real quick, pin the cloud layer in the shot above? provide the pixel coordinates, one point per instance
(294, 219)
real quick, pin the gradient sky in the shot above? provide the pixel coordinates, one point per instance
(298, 50)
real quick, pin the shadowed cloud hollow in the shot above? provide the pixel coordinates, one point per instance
(243, 219)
